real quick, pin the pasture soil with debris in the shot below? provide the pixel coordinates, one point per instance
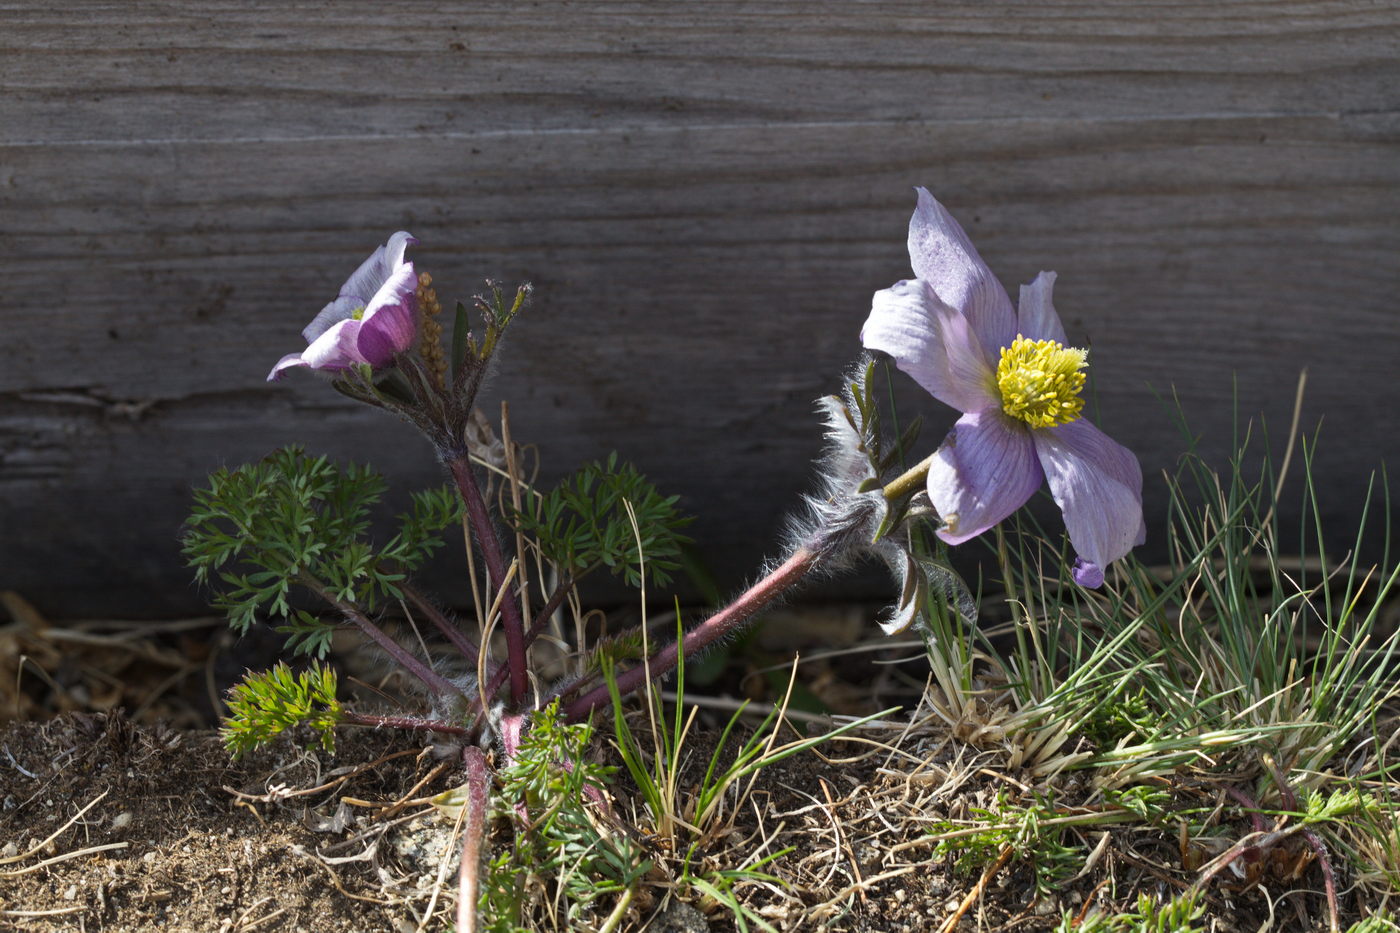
(118, 823)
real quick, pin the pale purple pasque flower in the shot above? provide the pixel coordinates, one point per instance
(372, 320)
(952, 328)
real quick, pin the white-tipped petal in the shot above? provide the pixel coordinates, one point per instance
(394, 249)
(367, 280)
(335, 349)
(290, 361)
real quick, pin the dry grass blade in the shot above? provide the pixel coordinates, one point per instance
(39, 847)
(62, 858)
(36, 914)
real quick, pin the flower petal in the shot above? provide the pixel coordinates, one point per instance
(391, 321)
(945, 258)
(285, 363)
(985, 470)
(1037, 319)
(394, 249)
(375, 271)
(332, 314)
(1097, 484)
(931, 342)
(336, 348)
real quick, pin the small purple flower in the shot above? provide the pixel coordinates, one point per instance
(373, 320)
(954, 331)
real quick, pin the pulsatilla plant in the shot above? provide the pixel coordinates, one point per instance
(268, 535)
(296, 523)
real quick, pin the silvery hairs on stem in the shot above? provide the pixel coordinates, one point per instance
(850, 516)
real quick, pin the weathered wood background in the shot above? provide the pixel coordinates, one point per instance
(705, 195)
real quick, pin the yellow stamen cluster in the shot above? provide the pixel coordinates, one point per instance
(1040, 381)
(431, 344)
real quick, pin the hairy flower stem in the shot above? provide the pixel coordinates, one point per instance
(541, 620)
(474, 831)
(490, 545)
(435, 682)
(728, 620)
(407, 723)
(451, 632)
(910, 481)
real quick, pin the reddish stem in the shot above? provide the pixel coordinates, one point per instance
(486, 539)
(445, 625)
(469, 873)
(431, 679)
(541, 620)
(722, 623)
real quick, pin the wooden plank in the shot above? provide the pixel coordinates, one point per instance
(705, 196)
(132, 72)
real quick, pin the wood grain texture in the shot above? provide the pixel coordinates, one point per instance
(705, 195)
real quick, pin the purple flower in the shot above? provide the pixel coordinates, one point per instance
(373, 320)
(954, 331)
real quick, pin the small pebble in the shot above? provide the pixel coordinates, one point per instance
(122, 820)
(71, 893)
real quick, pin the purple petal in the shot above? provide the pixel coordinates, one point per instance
(946, 260)
(1087, 573)
(336, 348)
(332, 314)
(985, 470)
(367, 280)
(391, 321)
(1097, 484)
(285, 363)
(1037, 319)
(931, 342)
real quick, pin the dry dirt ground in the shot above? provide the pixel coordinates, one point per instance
(117, 822)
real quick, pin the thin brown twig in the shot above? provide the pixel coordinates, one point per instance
(407, 799)
(971, 897)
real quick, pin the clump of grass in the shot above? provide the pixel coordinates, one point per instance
(1233, 666)
(689, 822)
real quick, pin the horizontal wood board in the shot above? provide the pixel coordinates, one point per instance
(704, 194)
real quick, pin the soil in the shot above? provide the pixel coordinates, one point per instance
(113, 822)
